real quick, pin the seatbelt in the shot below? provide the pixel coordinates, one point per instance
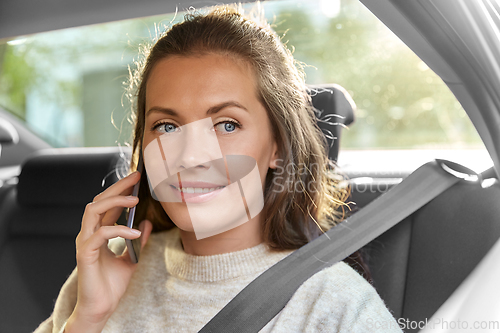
(268, 294)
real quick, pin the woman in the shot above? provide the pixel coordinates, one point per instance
(234, 73)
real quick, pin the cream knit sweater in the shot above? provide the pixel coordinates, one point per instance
(172, 291)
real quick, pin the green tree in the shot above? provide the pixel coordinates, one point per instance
(16, 77)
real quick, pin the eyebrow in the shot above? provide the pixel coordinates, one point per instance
(212, 110)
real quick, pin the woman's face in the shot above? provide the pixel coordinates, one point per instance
(211, 89)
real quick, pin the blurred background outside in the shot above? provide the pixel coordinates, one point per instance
(68, 85)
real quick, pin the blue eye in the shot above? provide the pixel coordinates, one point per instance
(166, 128)
(229, 127)
(169, 128)
(226, 127)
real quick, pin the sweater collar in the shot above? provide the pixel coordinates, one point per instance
(217, 267)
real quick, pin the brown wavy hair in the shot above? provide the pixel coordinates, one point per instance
(303, 197)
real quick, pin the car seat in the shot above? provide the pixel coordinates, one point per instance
(39, 220)
(418, 264)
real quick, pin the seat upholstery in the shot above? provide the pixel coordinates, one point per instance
(39, 220)
(418, 264)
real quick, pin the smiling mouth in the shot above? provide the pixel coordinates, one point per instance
(199, 190)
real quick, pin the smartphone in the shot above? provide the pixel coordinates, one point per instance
(134, 245)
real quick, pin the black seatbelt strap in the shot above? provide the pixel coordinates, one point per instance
(268, 294)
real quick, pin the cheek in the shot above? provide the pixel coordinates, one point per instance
(179, 214)
(146, 139)
(256, 146)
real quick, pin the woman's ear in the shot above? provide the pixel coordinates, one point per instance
(273, 163)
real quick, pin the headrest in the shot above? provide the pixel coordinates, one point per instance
(334, 109)
(69, 176)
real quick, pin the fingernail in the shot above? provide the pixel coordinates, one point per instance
(135, 231)
(133, 173)
(131, 198)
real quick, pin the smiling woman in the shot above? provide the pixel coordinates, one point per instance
(220, 105)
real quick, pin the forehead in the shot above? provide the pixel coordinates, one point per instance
(194, 81)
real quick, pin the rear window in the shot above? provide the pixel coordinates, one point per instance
(68, 85)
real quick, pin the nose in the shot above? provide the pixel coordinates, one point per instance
(194, 146)
(193, 152)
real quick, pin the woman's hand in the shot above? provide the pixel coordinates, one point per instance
(103, 277)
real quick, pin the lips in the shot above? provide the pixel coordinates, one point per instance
(196, 192)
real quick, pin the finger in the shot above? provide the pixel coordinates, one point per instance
(95, 211)
(112, 216)
(121, 187)
(145, 227)
(89, 250)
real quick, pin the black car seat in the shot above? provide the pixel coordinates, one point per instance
(39, 220)
(418, 264)
(40, 216)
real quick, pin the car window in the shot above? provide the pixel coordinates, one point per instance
(68, 85)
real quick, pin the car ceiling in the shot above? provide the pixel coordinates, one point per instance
(23, 17)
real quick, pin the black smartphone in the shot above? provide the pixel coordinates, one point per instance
(134, 245)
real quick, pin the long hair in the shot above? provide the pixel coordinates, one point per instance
(303, 197)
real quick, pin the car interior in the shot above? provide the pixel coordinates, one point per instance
(40, 217)
(415, 266)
